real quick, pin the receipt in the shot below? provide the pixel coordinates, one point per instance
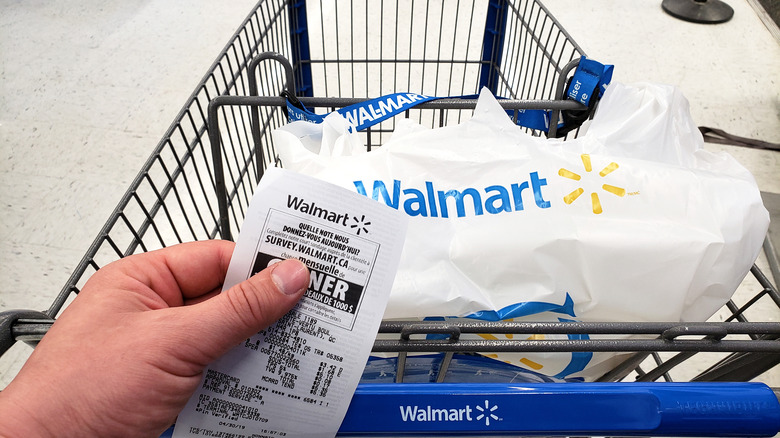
(296, 378)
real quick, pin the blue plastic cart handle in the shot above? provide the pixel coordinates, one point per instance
(655, 409)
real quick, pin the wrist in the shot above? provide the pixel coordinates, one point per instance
(16, 419)
(26, 412)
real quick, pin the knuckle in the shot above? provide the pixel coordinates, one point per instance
(250, 304)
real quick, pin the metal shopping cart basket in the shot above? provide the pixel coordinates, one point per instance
(198, 182)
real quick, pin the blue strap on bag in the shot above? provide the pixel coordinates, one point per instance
(591, 78)
(364, 114)
(586, 86)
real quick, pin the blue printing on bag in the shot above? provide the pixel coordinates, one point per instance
(527, 308)
(463, 368)
(579, 359)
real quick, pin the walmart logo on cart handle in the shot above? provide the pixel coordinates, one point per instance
(483, 414)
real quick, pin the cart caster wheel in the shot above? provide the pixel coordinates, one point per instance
(699, 11)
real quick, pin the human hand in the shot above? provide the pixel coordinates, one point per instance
(126, 355)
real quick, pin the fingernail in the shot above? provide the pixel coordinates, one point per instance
(290, 276)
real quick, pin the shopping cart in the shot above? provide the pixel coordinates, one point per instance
(199, 179)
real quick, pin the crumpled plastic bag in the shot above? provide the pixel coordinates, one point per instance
(632, 221)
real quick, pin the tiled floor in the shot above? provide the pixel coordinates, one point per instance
(88, 88)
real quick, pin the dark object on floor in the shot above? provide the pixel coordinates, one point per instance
(699, 11)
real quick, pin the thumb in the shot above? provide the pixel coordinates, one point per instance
(248, 307)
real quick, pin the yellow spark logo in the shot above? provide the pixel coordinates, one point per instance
(594, 197)
(523, 360)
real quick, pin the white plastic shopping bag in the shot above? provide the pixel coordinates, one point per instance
(632, 221)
